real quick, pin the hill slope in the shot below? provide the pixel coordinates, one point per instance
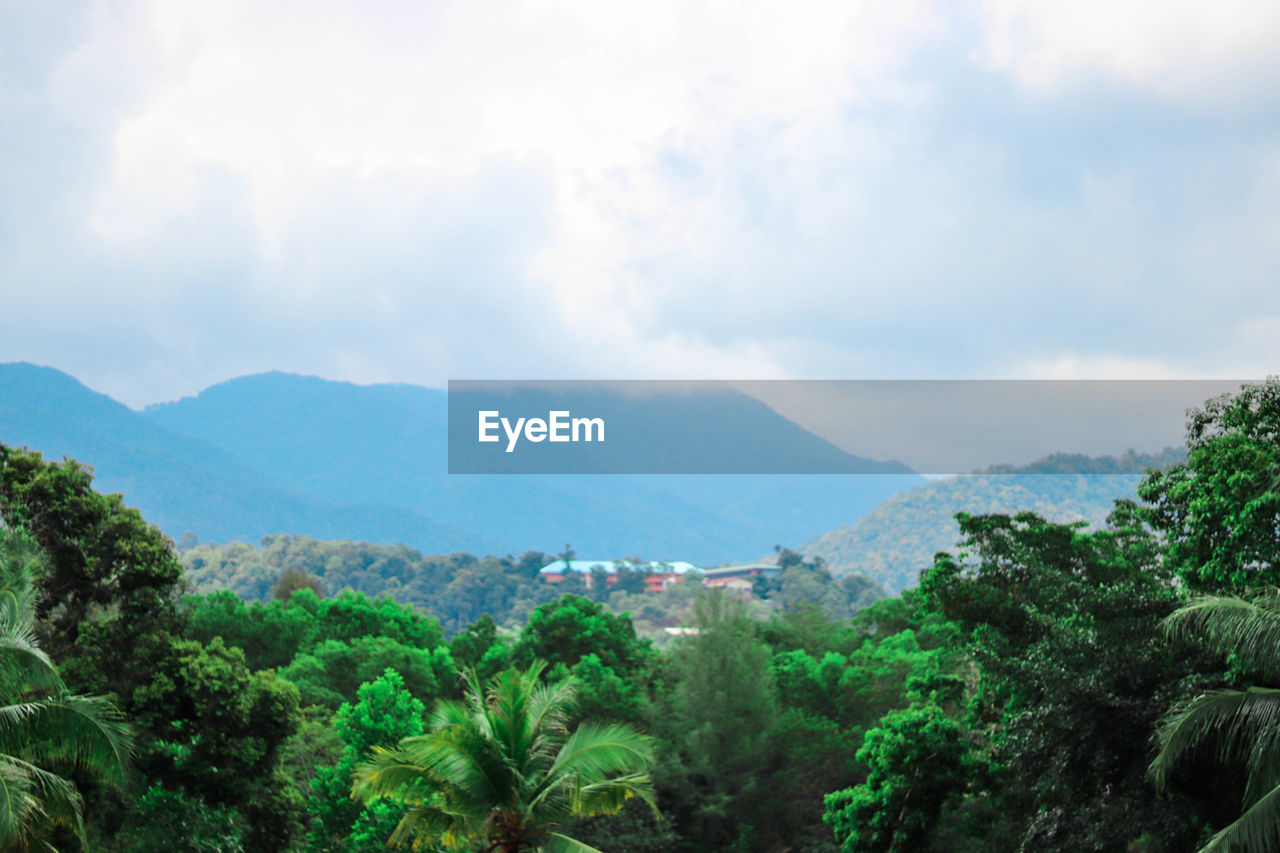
(181, 482)
(895, 541)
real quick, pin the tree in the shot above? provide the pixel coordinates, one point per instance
(918, 758)
(44, 729)
(1060, 625)
(214, 730)
(568, 555)
(1245, 723)
(333, 671)
(722, 759)
(105, 604)
(567, 629)
(293, 580)
(385, 714)
(105, 567)
(176, 822)
(1221, 508)
(501, 767)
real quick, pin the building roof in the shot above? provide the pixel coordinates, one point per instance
(611, 566)
(744, 569)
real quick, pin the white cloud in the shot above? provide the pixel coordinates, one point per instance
(416, 103)
(551, 188)
(1188, 51)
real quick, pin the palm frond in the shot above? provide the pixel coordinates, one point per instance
(17, 801)
(507, 716)
(1231, 717)
(1247, 629)
(439, 761)
(42, 726)
(85, 732)
(448, 713)
(24, 665)
(595, 750)
(59, 803)
(558, 843)
(595, 770)
(551, 704)
(427, 823)
(608, 797)
(388, 772)
(1255, 831)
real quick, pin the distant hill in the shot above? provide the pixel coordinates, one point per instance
(335, 441)
(279, 453)
(182, 482)
(1131, 462)
(896, 540)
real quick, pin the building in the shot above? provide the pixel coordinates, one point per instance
(741, 576)
(658, 574)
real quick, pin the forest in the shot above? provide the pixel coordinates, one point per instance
(1044, 687)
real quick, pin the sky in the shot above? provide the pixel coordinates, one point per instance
(419, 191)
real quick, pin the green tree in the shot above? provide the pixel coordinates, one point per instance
(105, 568)
(1072, 675)
(333, 671)
(213, 729)
(502, 768)
(479, 647)
(1245, 723)
(918, 758)
(45, 730)
(571, 627)
(1221, 508)
(270, 635)
(604, 693)
(722, 757)
(176, 822)
(384, 714)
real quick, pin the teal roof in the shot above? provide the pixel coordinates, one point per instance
(585, 566)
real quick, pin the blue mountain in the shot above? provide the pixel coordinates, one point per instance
(280, 453)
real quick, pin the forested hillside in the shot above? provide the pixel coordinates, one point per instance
(459, 588)
(893, 543)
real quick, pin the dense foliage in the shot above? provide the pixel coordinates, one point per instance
(502, 768)
(1014, 701)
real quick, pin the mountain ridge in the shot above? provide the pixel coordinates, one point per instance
(281, 453)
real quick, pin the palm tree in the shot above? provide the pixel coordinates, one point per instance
(43, 727)
(1243, 722)
(502, 768)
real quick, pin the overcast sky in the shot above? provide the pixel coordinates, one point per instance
(191, 191)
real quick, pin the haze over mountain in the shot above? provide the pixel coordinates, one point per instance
(279, 453)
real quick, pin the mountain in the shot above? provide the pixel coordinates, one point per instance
(334, 440)
(894, 542)
(280, 453)
(183, 483)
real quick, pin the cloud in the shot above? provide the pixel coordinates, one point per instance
(566, 189)
(1189, 52)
